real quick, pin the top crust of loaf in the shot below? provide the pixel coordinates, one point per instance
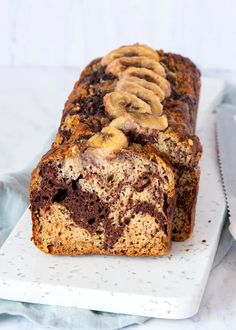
(85, 105)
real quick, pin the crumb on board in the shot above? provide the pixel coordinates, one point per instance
(203, 241)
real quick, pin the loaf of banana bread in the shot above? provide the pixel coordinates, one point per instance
(122, 174)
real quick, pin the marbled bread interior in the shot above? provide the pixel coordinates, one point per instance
(120, 204)
(187, 183)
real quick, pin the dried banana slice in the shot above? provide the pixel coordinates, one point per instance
(126, 123)
(142, 93)
(149, 76)
(117, 103)
(151, 121)
(131, 121)
(122, 63)
(148, 85)
(109, 140)
(129, 51)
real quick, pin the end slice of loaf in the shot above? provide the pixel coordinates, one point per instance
(120, 205)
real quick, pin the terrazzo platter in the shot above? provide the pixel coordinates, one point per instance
(166, 287)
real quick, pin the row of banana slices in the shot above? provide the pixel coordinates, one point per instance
(136, 100)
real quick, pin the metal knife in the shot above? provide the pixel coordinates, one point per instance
(226, 141)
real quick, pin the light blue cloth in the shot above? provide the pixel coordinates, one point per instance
(13, 202)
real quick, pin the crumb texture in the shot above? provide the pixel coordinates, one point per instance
(111, 210)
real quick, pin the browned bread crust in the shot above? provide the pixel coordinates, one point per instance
(55, 225)
(178, 142)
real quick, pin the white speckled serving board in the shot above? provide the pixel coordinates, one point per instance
(166, 287)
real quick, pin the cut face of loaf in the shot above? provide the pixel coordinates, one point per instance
(186, 182)
(84, 203)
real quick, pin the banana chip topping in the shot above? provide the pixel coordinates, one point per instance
(108, 141)
(129, 51)
(135, 102)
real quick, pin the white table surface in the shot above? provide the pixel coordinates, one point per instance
(31, 100)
